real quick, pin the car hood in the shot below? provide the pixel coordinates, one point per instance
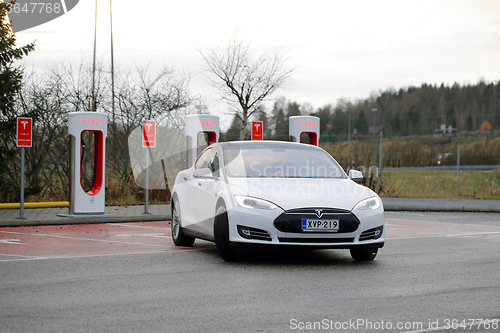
(291, 193)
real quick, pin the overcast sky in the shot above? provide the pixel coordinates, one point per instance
(342, 49)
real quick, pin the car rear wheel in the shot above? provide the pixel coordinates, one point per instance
(364, 255)
(177, 234)
(221, 236)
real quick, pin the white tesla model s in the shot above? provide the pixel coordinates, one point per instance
(258, 193)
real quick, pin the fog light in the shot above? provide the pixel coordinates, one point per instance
(244, 232)
(378, 232)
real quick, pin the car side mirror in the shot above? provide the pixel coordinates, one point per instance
(203, 173)
(355, 175)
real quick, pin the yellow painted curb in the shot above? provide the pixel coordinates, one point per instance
(35, 205)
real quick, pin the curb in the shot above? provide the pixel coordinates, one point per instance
(83, 220)
(441, 205)
(403, 208)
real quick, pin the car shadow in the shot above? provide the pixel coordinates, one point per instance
(292, 257)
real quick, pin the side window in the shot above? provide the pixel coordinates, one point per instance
(203, 160)
(214, 165)
(209, 159)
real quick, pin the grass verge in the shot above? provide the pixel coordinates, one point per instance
(441, 184)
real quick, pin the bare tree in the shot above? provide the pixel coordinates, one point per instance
(143, 94)
(245, 77)
(48, 95)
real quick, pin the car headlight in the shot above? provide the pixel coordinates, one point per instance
(370, 203)
(251, 202)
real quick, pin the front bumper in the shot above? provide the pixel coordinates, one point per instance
(358, 229)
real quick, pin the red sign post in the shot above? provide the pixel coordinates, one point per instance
(148, 141)
(24, 132)
(149, 133)
(24, 138)
(257, 130)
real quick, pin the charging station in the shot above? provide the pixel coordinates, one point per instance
(304, 129)
(88, 131)
(201, 131)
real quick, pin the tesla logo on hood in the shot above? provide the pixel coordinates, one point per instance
(319, 213)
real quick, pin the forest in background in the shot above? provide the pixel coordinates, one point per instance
(411, 111)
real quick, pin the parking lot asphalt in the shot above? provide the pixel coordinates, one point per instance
(51, 216)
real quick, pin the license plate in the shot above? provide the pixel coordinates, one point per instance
(320, 225)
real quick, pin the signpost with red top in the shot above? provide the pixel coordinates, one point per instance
(149, 134)
(148, 141)
(257, 130)
(24, 135)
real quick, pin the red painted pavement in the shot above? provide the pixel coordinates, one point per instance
(152, 237)
(89, 240)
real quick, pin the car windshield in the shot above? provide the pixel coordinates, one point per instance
(280, 163)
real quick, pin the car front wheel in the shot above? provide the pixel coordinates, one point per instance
(177, 234)
(364, 255)
(221, 236)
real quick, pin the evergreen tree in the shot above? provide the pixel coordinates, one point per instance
(10, 77)
(262, 116)
(281, 130)
(293, 109)
(10, 86)
(470, 123)
(413, 118)
(325, 120)
(339, 121)
(233, 133)
(361, 124)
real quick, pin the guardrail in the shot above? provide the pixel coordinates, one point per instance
(35, 205)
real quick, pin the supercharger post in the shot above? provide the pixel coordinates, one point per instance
(90, 200)
(201, 131)
(304, 126)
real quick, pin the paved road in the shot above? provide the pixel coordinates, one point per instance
(434, 267)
